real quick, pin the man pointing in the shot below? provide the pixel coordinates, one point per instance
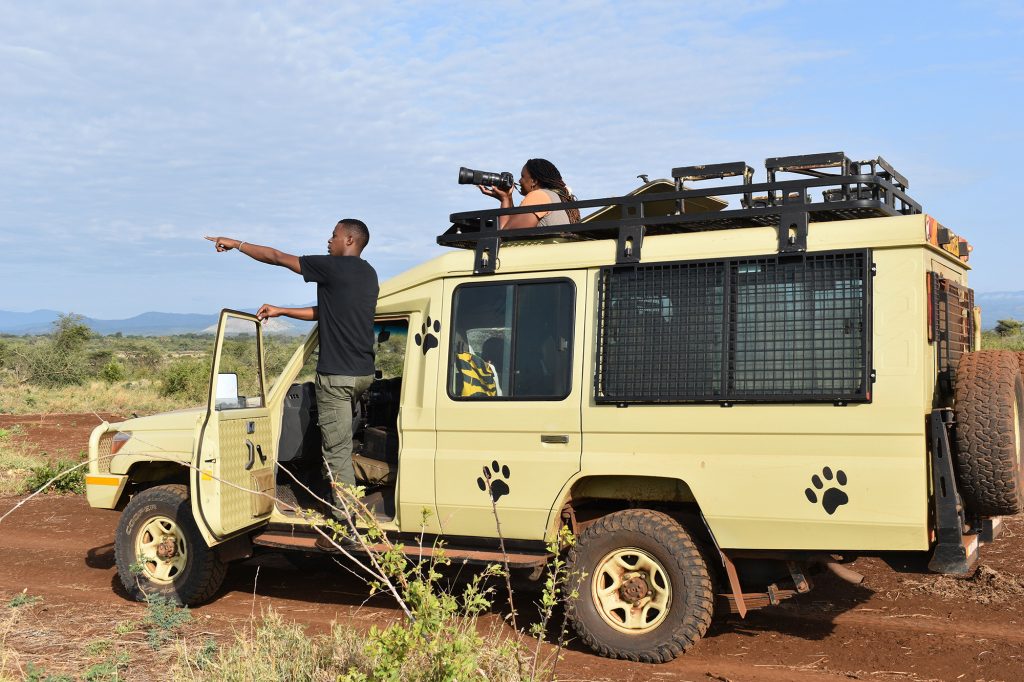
(346, 297)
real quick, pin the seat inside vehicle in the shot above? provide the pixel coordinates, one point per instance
(300, 478)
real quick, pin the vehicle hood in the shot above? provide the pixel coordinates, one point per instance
(166, 435)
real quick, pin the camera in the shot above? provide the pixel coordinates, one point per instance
(468, 176)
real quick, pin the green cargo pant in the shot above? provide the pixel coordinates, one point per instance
(335, 396)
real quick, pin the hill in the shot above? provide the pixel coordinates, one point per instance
(995, 306)
(999, 305)
(146, 324)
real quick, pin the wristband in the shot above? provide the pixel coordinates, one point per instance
(239, 247)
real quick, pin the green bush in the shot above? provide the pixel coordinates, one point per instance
(73, 482)
(186, 378)
(142, 357)
(113, 372)
(995, 341)
(163, 618)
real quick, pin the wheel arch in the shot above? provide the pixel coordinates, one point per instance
(146, 474)
(588, 498)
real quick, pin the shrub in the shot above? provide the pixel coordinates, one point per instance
(73, 482)
(113, 372)
(163, 618)
(23, 598)
(141, 358)
(186, 378)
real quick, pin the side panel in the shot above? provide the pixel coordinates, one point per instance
(768, 476)
(529, 448)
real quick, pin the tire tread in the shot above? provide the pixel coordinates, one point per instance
(673, 537)
(207, 573)
(988, 383)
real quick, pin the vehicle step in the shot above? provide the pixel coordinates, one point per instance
(280, 539)
(991, 529)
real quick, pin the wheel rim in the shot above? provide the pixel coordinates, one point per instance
(161, 550)
(631, 590)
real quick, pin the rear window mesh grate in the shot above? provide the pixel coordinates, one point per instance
(953, 322)
(771, 329)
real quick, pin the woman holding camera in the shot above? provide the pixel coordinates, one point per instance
(540, 183)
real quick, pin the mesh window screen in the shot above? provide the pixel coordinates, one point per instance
(772, 329)
(952, 323)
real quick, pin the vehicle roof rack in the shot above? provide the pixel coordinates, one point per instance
(855, 189)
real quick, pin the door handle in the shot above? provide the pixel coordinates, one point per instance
(554, 439)
(259, 451)
(252, 454)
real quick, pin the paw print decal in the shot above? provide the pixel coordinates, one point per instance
(498, 486)
(834, 497)
(425, 338)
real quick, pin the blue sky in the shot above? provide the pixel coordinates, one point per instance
(131, 130)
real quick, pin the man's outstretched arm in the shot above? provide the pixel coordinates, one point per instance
(311, 314)
(264, 254)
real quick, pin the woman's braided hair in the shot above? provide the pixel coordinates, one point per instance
(548, 177)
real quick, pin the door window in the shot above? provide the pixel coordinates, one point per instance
(239, 384)
(511, 341)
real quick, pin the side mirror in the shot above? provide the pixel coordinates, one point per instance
(383, 336)
(227, 391)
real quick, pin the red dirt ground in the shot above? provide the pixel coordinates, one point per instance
(901, 624)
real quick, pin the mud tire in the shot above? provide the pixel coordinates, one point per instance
(690, 605)
(989, 410)
(202, 572)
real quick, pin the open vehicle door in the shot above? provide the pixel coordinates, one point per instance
(233, 479)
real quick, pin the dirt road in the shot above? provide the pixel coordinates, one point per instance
(901, 624)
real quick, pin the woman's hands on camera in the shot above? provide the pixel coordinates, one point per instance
(502, 195)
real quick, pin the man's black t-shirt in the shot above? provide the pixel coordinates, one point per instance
(346, 295)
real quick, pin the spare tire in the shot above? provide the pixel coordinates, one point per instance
(989, 410)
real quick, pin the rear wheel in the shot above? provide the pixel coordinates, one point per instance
(645, 593)
(989, 408)
(160, 551)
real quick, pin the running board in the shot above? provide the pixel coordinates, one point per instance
(305, 542)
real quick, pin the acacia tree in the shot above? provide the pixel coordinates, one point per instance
(59, 358)
(1009, 327)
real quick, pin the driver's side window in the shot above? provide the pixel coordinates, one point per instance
(239, 384)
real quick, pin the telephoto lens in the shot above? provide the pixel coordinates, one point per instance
(468, 176)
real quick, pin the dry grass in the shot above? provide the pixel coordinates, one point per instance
(97, 396)
(985, 586)
(85, 643)
(16, 461)
(271, 648)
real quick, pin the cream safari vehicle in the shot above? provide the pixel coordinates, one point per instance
(718, 389)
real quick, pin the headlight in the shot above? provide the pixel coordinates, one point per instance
(120, 438)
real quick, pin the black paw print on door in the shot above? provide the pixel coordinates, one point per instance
(834, 497)
(425, 339)
(490, 479)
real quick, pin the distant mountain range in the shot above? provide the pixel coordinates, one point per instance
(146, 324)
(995, 306)
(1000, 305)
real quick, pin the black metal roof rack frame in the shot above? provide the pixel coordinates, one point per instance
(859, 189)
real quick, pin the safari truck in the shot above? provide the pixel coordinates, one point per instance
(719, 388)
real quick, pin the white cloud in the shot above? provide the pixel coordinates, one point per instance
(153, 125)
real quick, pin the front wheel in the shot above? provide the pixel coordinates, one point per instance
(160, 552)
(644, 590)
